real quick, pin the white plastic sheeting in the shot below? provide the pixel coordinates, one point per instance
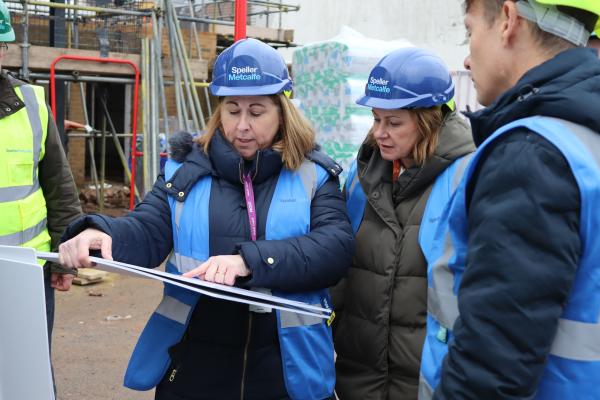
(329, 77)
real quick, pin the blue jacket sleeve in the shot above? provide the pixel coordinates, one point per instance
(314, 261)
(523, 251)
(144, 237)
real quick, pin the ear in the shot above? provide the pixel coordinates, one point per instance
(511, 22)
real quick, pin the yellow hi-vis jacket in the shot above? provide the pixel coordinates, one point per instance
(23, 213)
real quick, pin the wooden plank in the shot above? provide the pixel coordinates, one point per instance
(267, 34)
(84, 282)
(40, 58)
(87, 276)
(208, 45)
(91, 273)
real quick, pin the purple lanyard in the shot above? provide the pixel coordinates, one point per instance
(250, 206)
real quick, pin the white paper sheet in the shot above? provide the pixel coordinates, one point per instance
(211, 289)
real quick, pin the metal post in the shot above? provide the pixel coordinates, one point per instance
(102, 164)
(188, 76)
(194, 31)
(146, 107)
(199, 48)
(127, 126)
(280, 15)
(153, 137)
(115, 136)
(182, 122)
(240, 20)
(182, 58)
(25, 44)
(89, 141)
(75, 26)
(161, 86)
(57, 30)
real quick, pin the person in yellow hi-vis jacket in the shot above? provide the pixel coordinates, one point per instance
(38, 197)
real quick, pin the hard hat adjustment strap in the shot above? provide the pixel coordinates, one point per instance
(553, 21)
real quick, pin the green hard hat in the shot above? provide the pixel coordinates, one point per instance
(7, 34)
(592, 6)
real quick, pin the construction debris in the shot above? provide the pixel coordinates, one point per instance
(87, 276)
(116, 196)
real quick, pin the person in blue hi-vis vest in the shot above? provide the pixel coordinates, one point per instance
(416, 141)
(514, 294)
(251, 203)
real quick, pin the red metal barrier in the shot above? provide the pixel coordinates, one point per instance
(240, 20)
(134, 152)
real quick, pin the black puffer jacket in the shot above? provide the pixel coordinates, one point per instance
(524, 243)
(228, 351)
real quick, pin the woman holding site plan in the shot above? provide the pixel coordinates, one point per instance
(250, 203)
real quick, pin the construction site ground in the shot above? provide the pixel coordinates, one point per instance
(95, 329)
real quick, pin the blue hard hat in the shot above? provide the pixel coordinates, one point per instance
(408, 78)
(250, 67)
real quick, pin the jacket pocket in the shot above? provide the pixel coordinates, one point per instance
(20, 168)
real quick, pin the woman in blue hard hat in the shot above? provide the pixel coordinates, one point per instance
(250, 203)
(381, 306)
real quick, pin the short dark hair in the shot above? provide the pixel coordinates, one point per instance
(492, 8)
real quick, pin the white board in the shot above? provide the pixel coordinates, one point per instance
(24, 355)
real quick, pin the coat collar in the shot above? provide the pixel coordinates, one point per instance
(228, 164)
(10, 103)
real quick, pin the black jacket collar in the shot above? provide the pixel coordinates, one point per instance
(228, 164)
(10, 103)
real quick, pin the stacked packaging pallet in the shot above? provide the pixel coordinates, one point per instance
(329, 77)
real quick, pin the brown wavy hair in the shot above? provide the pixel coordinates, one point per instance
(429, 123)
(294, 140)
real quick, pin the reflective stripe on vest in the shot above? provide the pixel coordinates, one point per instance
(22, 148)
(441, 298)
(573, 365)
(440, 301)
(19, 238)
(306, 343)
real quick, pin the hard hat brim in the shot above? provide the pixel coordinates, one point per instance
(8, 36)
(385, 104)
(249, 90)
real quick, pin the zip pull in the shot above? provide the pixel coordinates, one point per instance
(172, 376)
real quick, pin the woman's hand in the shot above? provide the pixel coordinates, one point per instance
(220, 269)
(76, 251)
(61, 282)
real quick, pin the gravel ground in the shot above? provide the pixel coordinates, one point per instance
(90, 351)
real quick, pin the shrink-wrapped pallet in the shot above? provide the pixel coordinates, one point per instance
(329, 77)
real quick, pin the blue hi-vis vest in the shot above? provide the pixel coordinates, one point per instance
(573, 366)
(356, 200)
(444, 186)
(306, 342)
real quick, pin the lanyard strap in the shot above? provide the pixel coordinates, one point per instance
(250, 205)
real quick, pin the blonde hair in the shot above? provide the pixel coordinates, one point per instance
(429, 123)
(295, 138)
